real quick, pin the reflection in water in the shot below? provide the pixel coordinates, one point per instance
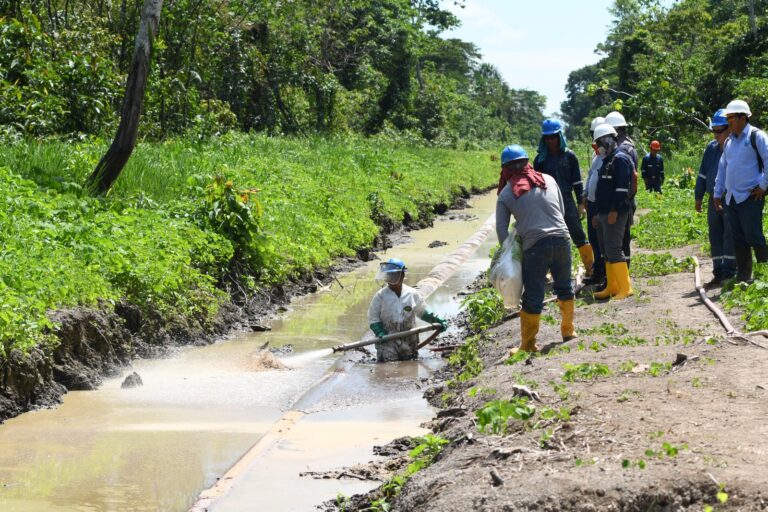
(155, 447)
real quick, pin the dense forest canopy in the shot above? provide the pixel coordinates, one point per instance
(669, 69)
(281, 67)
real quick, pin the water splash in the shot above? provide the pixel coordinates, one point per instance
(305, 357)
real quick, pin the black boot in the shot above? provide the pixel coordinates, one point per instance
(743, 263)
(761, 254)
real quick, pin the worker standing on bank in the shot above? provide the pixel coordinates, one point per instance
(613, 207)
(588, 203)
(627, 146)
(652, 168)
(394, 309)
(536, 203)
(720, 236)
(741, 177)
(556, 160)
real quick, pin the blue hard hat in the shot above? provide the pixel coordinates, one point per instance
(718, 119)
(393, 265)
(551, 127)
(513, 152)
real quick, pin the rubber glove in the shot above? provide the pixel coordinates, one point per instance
(432, 318)
(378, 329)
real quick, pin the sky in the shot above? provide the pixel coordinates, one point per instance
(535, 45)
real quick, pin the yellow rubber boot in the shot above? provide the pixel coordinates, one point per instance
(610, 288)
(621, 275)
(587, 258)
(566, 323)
(529, 327)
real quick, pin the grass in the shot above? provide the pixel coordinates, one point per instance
(162, 241)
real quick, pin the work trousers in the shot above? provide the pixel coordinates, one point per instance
(611, 236)
(653, 184)
(573, 222)
(720, 242)
(746, 221)
(598, 269)
(553, 255)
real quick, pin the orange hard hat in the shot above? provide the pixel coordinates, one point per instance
(655, 145)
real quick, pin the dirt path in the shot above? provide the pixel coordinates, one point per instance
(651, 435)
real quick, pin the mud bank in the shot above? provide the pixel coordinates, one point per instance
(651, 408)
(98, 343)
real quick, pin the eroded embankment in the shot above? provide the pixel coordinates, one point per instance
(651, 408)
(93, 343)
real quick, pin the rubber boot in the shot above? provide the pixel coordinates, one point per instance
(566, 322)
(761, 254)
(743, 263)
(611, 287)
(529, 327)
(621, 274)
(587, 259)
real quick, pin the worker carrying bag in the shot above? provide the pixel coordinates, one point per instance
(506, 273)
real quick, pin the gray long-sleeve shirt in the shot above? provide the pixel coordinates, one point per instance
(538, 213)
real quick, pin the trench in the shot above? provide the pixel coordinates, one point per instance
(158, 446)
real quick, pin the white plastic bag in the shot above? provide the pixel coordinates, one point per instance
(506, 273)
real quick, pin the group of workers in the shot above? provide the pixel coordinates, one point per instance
(548, 201)
(543, 199)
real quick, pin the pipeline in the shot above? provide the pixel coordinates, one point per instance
(388, 337)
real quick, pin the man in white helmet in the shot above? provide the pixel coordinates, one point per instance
(626, 145)
(613, 208)
(588, 204)
(742, 179)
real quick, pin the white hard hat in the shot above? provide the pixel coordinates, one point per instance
(603, 130)
(615, 119)
(595, 123)
(738, 107)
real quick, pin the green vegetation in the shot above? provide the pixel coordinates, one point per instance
(466, 360)
(185, 219)
(485, 308)
(585, 371)
(751, 298)
(645, 264)
(494, 416)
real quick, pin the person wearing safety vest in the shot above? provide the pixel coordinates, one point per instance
(556, 160)
(535, 201)
(627, 145)
(720, 236)
(613, 208)
(652, 168)
(588, 203)
(741, 177)
(395, 308)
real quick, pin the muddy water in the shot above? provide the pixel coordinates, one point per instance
(156, 447)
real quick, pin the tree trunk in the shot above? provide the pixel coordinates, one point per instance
(112, 163)
(752, 18)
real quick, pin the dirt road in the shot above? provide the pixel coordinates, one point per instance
(651, 408)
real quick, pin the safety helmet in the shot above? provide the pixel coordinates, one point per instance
(551, 127)
(603, 130)
(718, 119)
(391, 271)
(513, 152)
(596, 122)
(737, 107)
(615, 119)
(655, 145)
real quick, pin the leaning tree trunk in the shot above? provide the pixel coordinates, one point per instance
(112, 163)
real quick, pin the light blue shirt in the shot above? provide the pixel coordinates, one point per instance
(738, 171)
(597, 163)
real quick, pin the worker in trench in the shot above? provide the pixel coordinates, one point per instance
(394, 309)
(535, 201)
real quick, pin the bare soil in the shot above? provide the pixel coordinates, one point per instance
(651, 436)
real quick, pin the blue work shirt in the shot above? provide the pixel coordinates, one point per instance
(564, 167)
(613, 183)
(738, 172)
(705, 182)
(652, 166)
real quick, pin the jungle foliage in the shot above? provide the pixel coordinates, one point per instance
(297, 67)
(669, 69)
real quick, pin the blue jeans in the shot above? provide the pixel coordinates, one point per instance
(550, 254)
(599, 267)
(721, 242)
(746, 219)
